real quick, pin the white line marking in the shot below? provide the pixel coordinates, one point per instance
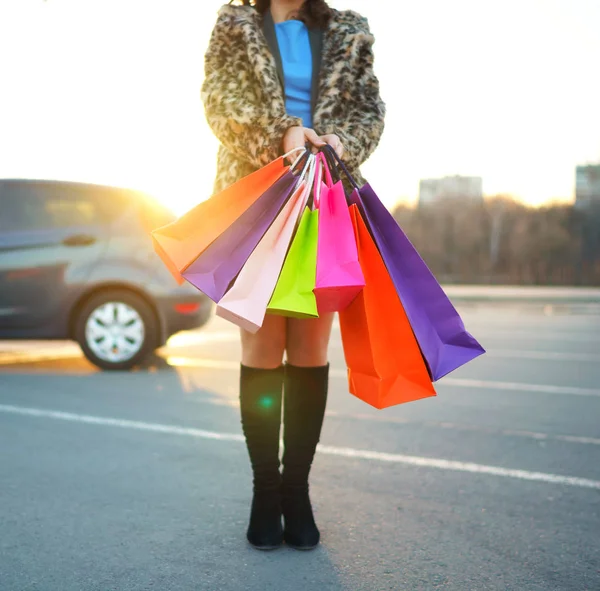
(346, 452)
(223, 364)
(530, 355)
(542, 355)
(186, 339)
(127, 424)
(381, 418)
(67, 353)
(182, 361)
(488, 333)
(459, 427)
(520, 387)
(460, 466)
(40, 355)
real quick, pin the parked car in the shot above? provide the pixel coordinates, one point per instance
(76, 262)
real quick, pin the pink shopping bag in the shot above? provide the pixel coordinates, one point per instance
(339, 275)
(245, 303)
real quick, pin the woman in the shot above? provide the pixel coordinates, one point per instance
(280, 74)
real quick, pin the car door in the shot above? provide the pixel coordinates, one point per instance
(50, 238)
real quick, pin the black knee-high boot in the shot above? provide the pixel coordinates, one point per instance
(260, 405)
(305, 398)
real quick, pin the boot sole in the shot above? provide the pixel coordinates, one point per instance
(265, 548)
(302, 548)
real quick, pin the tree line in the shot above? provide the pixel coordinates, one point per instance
(501, 241)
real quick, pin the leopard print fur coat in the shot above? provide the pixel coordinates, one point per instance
(245, 105)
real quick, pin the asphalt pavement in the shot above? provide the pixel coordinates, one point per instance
(140, 480)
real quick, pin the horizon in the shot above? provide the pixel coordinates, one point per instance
(109, 93)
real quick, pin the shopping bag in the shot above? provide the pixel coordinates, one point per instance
(245, 304)
(181, 241)
(339, 277)
(439, 329)
(167, 261)
(213, 271)
(293, 295)
(385, 365)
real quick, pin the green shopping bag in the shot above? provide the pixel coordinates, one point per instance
(293, 295)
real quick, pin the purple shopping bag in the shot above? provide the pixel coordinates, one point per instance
(440, 331)
(213, 271)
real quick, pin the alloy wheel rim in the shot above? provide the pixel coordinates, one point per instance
(115, 332)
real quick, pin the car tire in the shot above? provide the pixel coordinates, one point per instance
(116, 329)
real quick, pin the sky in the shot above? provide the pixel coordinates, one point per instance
(107, 91)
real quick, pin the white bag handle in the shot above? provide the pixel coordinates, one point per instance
(320, 162)
(311, 177)
(297, 159)
(308, 166)
(303, 148)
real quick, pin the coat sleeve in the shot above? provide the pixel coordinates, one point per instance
(241, 119)
(362, 124)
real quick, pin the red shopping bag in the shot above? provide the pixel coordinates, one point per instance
(385, 365)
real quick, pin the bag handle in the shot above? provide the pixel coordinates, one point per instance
(308, 166)
(294, 150)
(310, 183)
(331, 167)
(298, 159)
(307, 175)
(331, 153)
(325, 168)
(318, 178)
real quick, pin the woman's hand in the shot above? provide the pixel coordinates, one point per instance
(298, 137)
(335, 142)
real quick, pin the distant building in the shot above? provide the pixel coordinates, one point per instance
(450, 187)
(587, 185)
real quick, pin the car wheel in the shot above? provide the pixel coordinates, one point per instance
(116, 329)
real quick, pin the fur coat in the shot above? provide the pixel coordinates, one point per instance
(245, 105)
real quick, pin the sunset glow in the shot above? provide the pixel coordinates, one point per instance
(108, 92)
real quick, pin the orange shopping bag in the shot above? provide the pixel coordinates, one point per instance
(180, 243)
(385, 365)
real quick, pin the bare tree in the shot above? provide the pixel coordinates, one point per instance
(502, 240)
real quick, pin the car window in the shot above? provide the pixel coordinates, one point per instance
(35, 206)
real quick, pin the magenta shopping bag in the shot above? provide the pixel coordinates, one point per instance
(444, 341)
(339, 276)
(213, 271)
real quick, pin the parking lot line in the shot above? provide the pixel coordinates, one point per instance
(393, 420)
(347, 452)
(543, 355)
(50, 354)
(223, 364)
(520, 387)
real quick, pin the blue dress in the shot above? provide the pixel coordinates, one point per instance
(296, 59)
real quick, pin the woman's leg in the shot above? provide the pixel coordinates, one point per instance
(307, 341)
(264, 349)
(261, 383)
(305, 398)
